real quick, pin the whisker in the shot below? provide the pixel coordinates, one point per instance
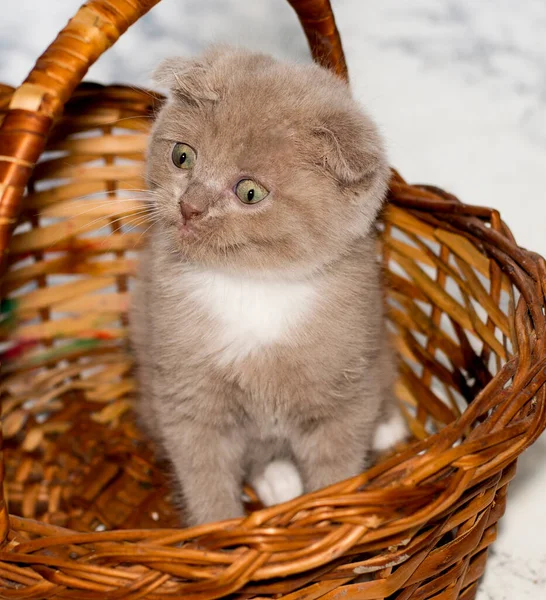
(101, 193)
(155, 97)
(106, 218)
(162, 187)
(101, 205)
(133, 225)
(143, 233)
(137, 222)
(127, 118)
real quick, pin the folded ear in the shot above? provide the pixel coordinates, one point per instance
(207, 77)
(189, 80)
(351, 147)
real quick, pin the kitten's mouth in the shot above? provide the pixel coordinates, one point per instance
(186, 228)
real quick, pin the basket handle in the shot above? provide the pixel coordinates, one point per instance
(319, 25)
(96, 26)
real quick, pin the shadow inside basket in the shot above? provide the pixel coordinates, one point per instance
(72, 452)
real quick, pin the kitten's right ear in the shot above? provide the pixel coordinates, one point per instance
(350, 147)
(186, 79)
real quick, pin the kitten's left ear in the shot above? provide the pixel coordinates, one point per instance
(351, 147)
(187, 79)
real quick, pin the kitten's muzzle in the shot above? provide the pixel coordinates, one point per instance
(189, 212)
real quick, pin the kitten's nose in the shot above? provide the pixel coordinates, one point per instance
(189, 211)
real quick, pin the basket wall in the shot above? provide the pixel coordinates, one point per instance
(464, 306)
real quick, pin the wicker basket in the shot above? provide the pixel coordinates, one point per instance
(89, 512)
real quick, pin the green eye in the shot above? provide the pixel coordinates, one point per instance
(184, 156)
(250, 192)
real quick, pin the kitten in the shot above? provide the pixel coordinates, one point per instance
(257, 318)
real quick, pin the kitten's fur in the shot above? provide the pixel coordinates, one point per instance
(260, 334)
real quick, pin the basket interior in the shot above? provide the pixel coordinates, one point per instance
(72, 453)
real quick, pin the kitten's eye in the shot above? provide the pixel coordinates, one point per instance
(250, 192)
(184, 156)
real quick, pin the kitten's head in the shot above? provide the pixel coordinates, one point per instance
(261, 166)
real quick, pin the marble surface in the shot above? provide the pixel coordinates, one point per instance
(459, 88)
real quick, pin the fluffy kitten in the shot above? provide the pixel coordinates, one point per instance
(257, 318)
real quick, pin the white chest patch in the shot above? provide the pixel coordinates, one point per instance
(250, 313)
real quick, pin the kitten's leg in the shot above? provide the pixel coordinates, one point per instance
(391, 427)
(272, 472)
(331, 450)
(145, 411)
(391, 430)
(209, 468)
(279, 481)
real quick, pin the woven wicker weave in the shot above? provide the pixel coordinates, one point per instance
(89, 511)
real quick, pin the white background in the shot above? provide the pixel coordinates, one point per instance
(459, 89)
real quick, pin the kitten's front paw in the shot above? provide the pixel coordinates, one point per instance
(279, 482)
(391, 432)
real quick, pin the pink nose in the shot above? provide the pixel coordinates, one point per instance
(189, 211)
